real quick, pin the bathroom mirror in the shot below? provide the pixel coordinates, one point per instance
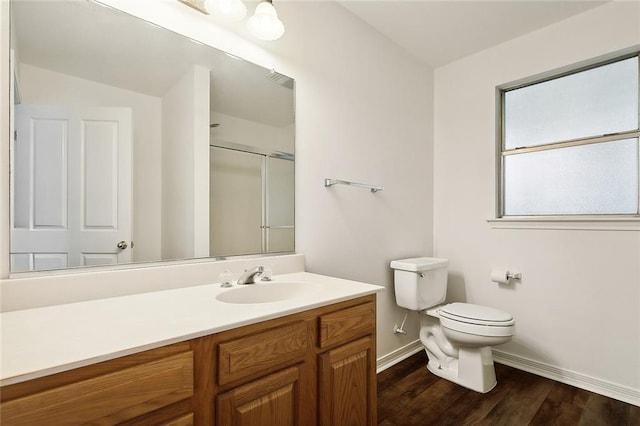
(136, 144)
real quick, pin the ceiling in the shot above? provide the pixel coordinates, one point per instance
(439, 32)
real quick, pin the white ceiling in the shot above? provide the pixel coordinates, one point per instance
(439, 32)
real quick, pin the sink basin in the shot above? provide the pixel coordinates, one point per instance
(268, 292)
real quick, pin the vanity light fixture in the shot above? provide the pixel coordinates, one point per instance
(264, 24)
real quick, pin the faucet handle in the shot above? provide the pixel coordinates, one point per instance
(226, 278)
(266, 274)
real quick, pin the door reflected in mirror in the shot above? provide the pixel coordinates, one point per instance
(136, 144)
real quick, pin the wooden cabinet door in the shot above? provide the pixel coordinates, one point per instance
(347, 385)
(269, 401)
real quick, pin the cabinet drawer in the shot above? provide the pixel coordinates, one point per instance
(247, 355)
(107, 399)
(342, 326)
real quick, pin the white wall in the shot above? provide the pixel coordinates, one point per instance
(239, 130)
(363, 113)
(577, 308)
(5, 136)
(45, 87)
(185, 167)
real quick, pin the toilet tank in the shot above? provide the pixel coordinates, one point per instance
(420, 282)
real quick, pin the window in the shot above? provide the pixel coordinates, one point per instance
(569, 144)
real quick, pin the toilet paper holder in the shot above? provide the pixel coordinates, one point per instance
(513, 276)
(504, 276)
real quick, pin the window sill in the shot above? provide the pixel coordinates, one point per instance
(587, 223)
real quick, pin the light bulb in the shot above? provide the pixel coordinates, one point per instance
(232, 10)
(264, 24)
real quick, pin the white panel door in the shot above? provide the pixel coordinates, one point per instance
(72, 187)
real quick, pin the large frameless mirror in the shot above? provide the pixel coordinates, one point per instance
(136, 144)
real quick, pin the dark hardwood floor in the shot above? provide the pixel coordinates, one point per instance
(408, 394)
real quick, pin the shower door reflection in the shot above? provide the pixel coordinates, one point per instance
(255, 189)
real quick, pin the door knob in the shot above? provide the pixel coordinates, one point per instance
(122, 245)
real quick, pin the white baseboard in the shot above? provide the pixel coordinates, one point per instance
(398, 355)
(599, 386)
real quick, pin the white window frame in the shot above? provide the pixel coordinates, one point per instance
(580, 222)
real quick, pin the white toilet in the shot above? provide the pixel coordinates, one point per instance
(458, 336)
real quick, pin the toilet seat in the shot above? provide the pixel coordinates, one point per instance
(476, 319)
(476, 314)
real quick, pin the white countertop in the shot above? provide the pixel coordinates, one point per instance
(43, 341)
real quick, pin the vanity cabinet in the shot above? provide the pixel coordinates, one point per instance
(152, 387)
(311, 368)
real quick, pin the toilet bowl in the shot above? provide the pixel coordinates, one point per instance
(458, 336)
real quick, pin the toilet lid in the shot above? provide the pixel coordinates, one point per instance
(476, 314)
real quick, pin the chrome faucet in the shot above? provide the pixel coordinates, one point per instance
(248, 276)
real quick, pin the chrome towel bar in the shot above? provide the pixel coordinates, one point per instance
(331, 182)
